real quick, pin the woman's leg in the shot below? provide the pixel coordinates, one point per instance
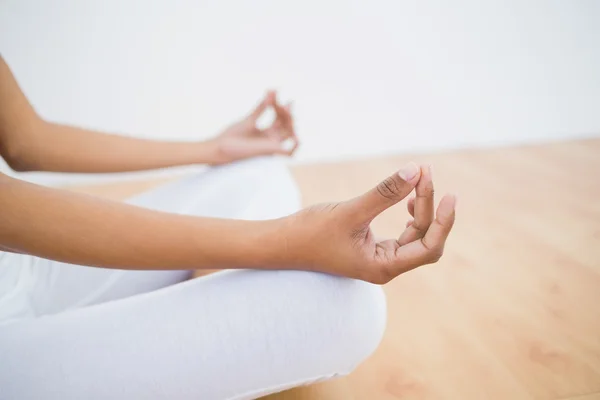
(230, 335)
(253, 189)
(335, 389)
(259, 188)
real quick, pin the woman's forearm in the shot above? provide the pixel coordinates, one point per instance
(80, 229)
(29, 143)
(61, 148)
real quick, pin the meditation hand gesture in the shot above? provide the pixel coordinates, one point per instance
(336, 237)
(244, 139)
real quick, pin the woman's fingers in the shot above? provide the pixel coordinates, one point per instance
(281, 134)
(273, 132)
(284, 115)
(428, 249)
(290, 145)
(438, 231)
(410, 205)
(387, 193)
(421, 208)
(424, 205)
(268, 100)
(283, 124)
(288, 110)
(293, 136)
(285, 130)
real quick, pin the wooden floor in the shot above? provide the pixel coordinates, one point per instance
(512, 311)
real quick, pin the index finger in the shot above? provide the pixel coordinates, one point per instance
(422, 208)
(430, 248)
(285, 116)
(262, 106)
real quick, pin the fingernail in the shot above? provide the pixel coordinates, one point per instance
(453, 200)
(429, 170)
(409, 171)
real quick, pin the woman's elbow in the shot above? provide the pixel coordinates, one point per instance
(18, 157)
(19, 147)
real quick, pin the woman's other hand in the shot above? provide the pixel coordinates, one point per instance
(244, 139)
(336, 237)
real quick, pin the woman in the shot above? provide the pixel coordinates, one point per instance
(93, 302)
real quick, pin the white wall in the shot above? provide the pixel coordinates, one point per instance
(367, 77)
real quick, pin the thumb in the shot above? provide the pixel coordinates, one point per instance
(387, 193)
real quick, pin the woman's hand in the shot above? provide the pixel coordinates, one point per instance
(244, 140)
(336, 237)
(30, 143)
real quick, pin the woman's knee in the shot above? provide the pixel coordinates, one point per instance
(258, 188)
(357, 320)
(264, 185)
(344, 319)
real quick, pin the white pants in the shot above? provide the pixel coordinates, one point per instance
(71, 332)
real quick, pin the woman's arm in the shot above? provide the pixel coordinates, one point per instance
(29, 143)
(334, 238)
(61, 148)
(81, 229)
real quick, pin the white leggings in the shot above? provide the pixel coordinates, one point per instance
(71, 332)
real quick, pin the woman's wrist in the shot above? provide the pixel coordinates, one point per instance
(206, 152)
(230, 243)
(280, 244)
(265, 245)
